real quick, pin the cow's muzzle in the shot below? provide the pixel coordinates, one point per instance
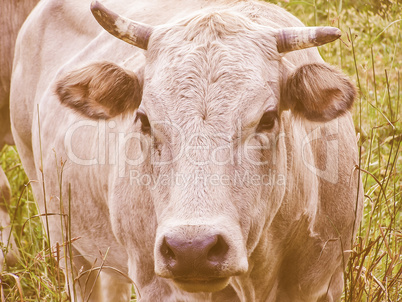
(197, 260)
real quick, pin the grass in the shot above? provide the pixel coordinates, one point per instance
(370, 53)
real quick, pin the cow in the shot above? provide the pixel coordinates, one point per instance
(13, 15)
(200, 150)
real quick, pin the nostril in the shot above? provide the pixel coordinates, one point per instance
(200, 255)
(166, 251)
(218, 251)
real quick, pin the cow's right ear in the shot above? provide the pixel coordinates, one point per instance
(317, 91)
(100, 90)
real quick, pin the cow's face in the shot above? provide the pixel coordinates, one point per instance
(210, 100)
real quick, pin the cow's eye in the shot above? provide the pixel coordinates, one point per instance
(145, 125)
(268, 121)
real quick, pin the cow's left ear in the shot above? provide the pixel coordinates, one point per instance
(100, 90)
(317, 91)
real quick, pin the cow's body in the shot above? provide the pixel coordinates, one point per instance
(13, 14)
(282, 241)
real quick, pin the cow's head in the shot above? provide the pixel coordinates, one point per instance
(211, 96)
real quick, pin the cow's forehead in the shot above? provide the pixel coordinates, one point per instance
(223, 94)
(215, 72)
(207, 38)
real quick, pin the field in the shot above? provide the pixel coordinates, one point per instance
(369, 51)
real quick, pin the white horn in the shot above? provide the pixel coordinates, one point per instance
(294, 38)
(129, 31)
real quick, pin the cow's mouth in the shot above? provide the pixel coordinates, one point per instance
(202, 285)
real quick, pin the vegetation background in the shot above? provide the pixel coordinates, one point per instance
(369, 51)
